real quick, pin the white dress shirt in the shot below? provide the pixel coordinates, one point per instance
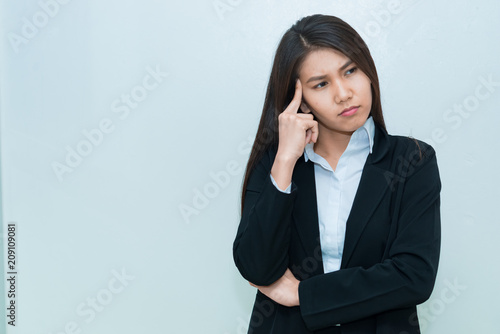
(335, 191)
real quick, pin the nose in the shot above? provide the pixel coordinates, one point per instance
(342, 92)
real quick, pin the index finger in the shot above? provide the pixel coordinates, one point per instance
(294, 105)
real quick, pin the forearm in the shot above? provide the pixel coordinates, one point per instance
(404, 277)
(260, 248)
(357, 293)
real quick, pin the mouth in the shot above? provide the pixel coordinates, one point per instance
(349, 111)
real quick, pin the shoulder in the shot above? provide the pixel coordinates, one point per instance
(389, 149)
(397, 153)
(411, 158)
(411, 148)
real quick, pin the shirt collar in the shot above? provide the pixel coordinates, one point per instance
(363, 135)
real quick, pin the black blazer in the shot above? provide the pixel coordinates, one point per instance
(391, 248)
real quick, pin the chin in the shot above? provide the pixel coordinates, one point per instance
(358, 118)
(351, 124)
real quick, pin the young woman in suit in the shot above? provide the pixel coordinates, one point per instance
(340, 221)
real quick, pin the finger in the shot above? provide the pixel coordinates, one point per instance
(313, 126)
(305, 116)
(308, 136)
(294, 105)
(315, 132)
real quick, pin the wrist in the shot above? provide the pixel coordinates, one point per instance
(297, 299)
(282, 171)
(285, 159)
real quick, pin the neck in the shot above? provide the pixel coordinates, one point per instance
(331, 143)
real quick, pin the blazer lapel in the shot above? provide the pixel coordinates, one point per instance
(305, 211)
(372, 186)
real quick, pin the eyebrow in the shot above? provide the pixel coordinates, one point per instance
(321, 77)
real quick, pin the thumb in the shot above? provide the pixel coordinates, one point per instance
(308, 136)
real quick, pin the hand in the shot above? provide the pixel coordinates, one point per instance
(296, 130)
(284, 291)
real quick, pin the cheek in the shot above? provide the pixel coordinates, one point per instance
(367, 98)
(369, 92)
(364, 88)
(313, 100)
(368, 87)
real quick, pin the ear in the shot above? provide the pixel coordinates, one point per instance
(305, 108)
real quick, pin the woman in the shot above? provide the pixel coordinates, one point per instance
(340, 221)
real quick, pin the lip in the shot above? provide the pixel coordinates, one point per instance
(349, 111)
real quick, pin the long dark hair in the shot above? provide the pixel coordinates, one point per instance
(307, 34)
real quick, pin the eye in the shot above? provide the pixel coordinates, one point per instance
(320, 85)
(352, 70)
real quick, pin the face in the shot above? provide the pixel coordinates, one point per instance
(331, 86)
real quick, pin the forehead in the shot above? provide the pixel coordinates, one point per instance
(322, 60)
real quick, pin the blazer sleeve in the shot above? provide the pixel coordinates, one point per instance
(260, 248)
(405, 278)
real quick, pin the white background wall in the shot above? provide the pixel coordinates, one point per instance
(118, 208)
